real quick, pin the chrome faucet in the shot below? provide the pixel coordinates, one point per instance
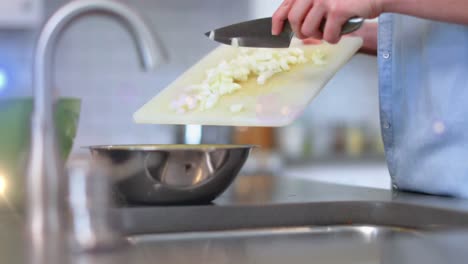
(46, 181)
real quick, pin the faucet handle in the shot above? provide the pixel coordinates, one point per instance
(90, 203)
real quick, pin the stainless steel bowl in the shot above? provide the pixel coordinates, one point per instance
(170, 174)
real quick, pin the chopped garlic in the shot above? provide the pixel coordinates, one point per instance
(235, 108)
(226, 78)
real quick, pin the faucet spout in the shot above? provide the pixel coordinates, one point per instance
(46, 182)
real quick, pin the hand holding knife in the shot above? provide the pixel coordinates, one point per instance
(257, 33)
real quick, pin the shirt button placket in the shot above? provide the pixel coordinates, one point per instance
(386, 55)
(386, 125)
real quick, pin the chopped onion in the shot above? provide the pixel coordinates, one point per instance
(318, 57)
(226, 78)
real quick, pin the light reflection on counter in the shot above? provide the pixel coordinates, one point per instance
(3, 184)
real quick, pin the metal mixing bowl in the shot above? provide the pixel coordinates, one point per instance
(170, 174)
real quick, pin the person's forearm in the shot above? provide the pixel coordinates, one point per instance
(368, 33)
(454, 11)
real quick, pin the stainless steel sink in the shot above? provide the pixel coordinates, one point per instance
(328, 232)
(337, 244)
(277, 220)
(359, 244)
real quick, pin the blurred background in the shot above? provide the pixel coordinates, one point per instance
(336, 140)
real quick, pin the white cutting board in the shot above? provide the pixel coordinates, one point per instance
(276, 103)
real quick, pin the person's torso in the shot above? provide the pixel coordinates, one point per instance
(424, 103)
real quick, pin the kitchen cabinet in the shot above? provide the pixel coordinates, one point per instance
(20, 13)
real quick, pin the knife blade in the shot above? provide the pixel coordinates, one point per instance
(257, 33)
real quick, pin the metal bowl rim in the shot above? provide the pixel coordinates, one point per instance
(169, 147)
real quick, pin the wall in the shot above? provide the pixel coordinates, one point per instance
(97, 61)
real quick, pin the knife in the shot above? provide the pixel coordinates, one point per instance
(257, 33)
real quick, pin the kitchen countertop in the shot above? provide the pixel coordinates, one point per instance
(281, 200)
(260, 194)
(266, 190)
(373, 174)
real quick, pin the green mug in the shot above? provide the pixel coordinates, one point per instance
(15, 123)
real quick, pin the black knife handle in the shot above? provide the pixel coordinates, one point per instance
(351, 25)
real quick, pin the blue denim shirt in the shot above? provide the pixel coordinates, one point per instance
(423, 68)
